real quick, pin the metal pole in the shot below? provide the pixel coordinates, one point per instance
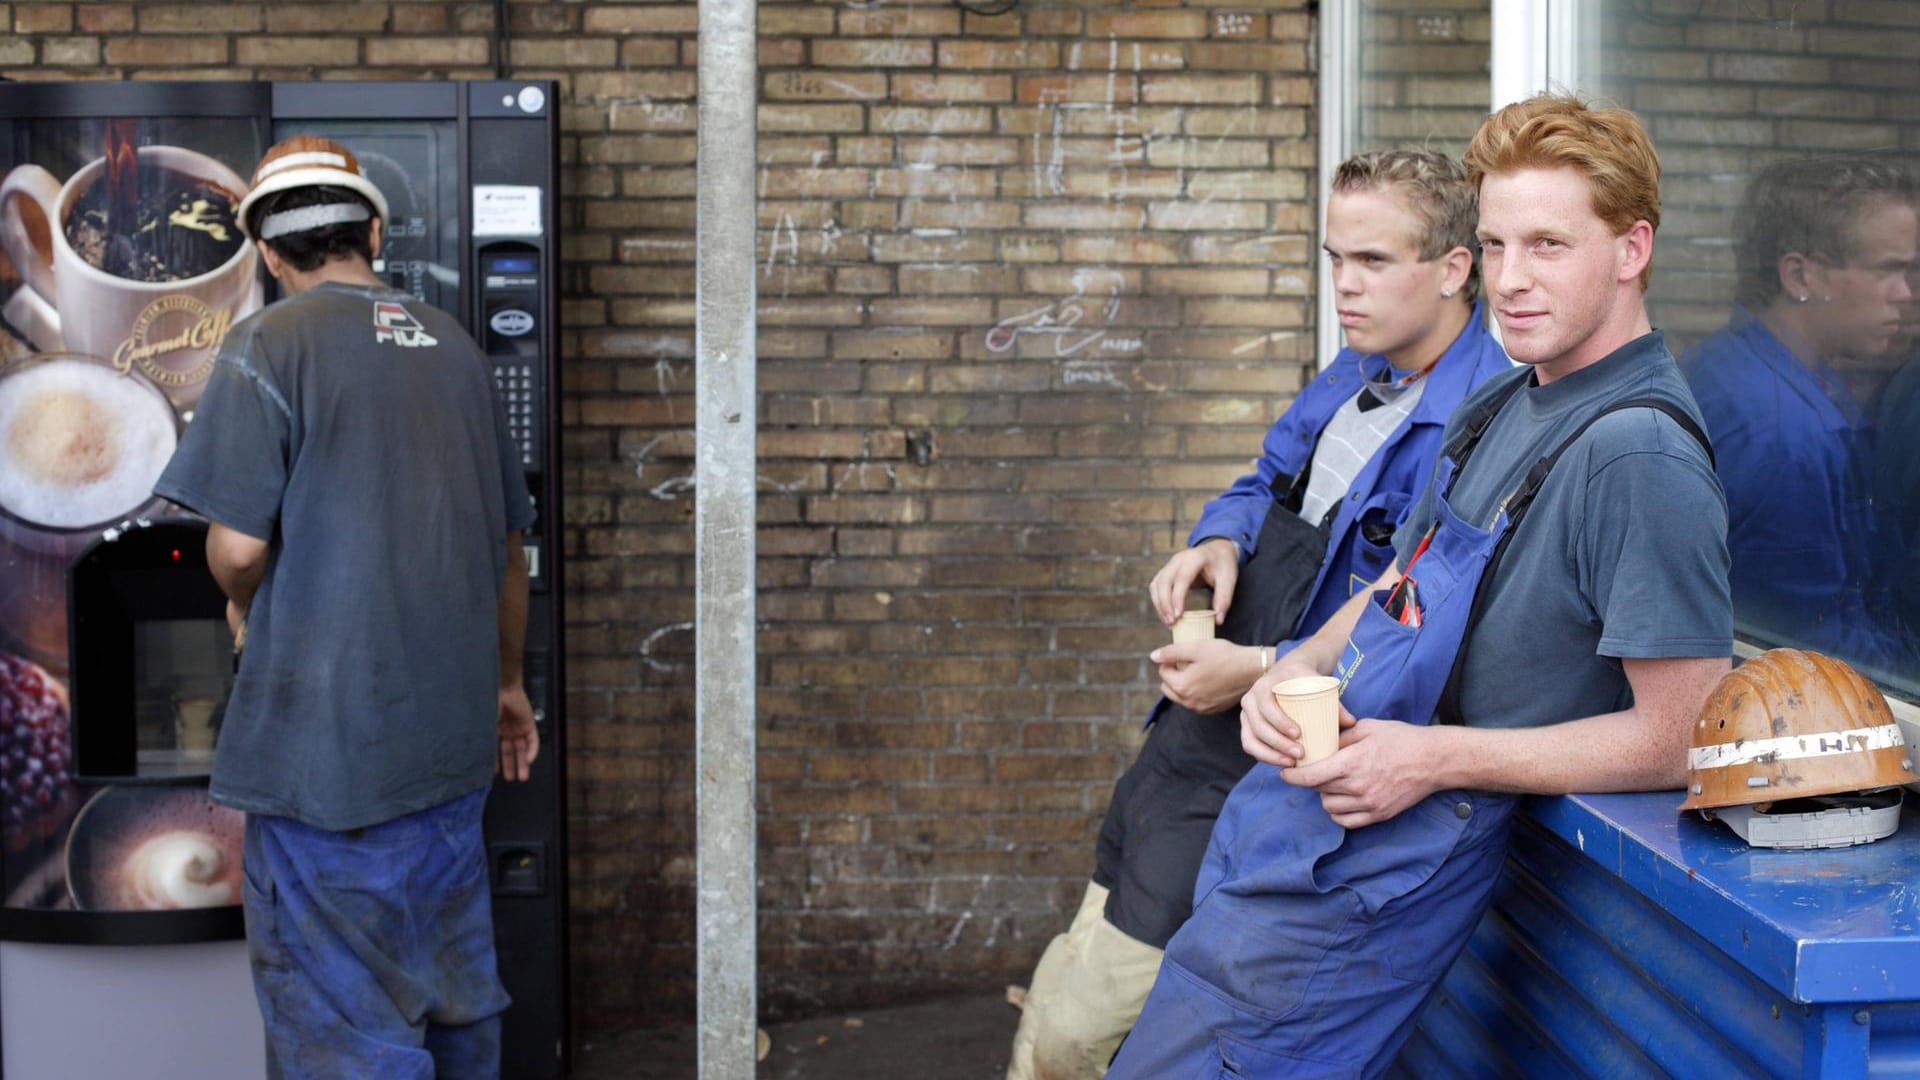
(723, 554)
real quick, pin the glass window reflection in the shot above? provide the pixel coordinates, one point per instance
(1788, 389)
(1785, 276)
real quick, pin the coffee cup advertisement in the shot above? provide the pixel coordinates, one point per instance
(122, 269)
(135, 257)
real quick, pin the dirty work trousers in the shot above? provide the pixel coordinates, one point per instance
(1086, 992)
(372, 949)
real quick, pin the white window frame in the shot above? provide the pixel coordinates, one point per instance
(1339, 133)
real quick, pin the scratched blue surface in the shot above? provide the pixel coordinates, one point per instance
(1841, 925)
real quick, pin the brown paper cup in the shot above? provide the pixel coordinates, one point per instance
(1313, 702)
(1193, 626)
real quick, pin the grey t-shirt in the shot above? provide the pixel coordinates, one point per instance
(356, 431)
(1623, 555)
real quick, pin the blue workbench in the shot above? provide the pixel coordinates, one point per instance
(1628, 940)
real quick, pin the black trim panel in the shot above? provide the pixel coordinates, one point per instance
(366, 100)
(58, 100)
(186, 927)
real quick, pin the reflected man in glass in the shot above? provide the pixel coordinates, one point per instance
(1825, 246)
(1896, 487)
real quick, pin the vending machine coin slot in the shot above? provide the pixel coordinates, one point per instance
(519, 869)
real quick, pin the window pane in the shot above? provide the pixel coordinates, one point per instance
(1784, 276)
(1423, 73)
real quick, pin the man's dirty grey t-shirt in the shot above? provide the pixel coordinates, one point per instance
(356, 430)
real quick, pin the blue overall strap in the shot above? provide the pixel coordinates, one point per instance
(1516, 509)
(1459, 448)
(1290, 491)
(1276, 581)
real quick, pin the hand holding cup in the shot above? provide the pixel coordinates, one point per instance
(1267, 731)
(1312, 702)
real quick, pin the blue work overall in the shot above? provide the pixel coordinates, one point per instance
(1311, 947)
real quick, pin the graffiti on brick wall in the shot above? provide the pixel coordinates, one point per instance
(1077, 322)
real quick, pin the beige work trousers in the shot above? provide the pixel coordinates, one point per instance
(1087, 992)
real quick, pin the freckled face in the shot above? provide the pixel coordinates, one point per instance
(1551, 268)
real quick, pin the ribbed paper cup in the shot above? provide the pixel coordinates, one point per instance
(1313, 702)
(1194, 626)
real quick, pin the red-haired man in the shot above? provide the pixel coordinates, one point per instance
(1568, 564)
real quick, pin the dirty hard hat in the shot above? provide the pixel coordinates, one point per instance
(307, 161)
(1787, 724)
(1784, 730)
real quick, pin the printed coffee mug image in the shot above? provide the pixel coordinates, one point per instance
(145, 271)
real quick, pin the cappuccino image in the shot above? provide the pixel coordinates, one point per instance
(179, 869)
(154, 849)
(80, 444)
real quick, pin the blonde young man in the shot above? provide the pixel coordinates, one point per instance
(1557, 612)
(1282, 549)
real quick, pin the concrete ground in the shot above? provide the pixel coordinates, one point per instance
(957, 1039)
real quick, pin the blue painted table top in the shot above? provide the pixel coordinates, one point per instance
(1839, 925)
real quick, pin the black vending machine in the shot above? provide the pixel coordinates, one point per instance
(119, 880)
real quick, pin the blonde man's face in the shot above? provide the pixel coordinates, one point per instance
(1856, 305)
(1389, 299)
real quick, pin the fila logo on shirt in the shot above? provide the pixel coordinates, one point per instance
(394, 323)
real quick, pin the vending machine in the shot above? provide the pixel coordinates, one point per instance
(121, 941)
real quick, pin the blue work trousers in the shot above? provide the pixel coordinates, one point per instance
(372, 948)
(1316, 961)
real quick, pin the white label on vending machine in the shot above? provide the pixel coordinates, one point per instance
(506, 210)
(511, 322)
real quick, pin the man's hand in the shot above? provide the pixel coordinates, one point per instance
(1381, 768)
(519, 738)
(1215, 561)
(1266, 731)
(1206, 676)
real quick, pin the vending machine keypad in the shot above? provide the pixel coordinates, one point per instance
(511, 332)
(515, 383)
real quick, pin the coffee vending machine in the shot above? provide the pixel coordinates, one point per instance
(121, 943)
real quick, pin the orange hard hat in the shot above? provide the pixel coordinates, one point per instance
(1789, 724)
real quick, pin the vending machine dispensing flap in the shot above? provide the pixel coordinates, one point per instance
(150, 653)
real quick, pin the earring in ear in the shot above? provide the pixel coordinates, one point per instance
(1446, 294)
(1801, 298)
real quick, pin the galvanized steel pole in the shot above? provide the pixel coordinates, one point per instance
(723, 554)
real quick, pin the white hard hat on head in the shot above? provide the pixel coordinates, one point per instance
(306, 161)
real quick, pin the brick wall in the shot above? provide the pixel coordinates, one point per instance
(1031, 286)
